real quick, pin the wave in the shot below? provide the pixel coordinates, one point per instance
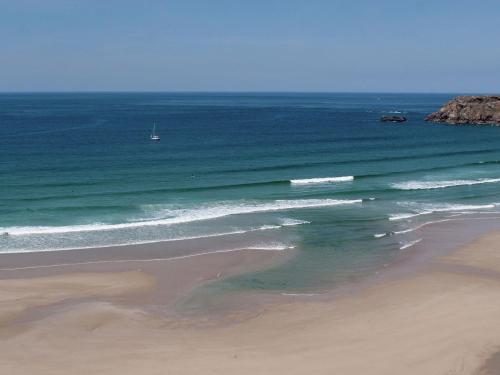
(267, 183)
(286, 222)
(409, 230)
(147, 242)
(441, 221)
(395, 217)
(181, 216)
(270, 247)
(321, 180)
(424, 185)
(305, 165)
(409, 244)
(300, 294)
(429, 209)
(426, 169)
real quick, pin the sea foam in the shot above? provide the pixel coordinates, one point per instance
(321, 180)
(446, 207)
(146, 242)
(409, 244)
(424, 185)
(288, 222)
(180, 216)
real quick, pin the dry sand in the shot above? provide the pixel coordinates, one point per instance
(442, 320)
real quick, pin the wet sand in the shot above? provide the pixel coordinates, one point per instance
(176, 266)
(438, 316)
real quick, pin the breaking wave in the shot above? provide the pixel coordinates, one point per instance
(429, 209)
(409, 244)
(287, 222)
(322, 180)
(424, 185)
(180, 216)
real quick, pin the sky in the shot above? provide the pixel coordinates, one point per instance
(250, 45)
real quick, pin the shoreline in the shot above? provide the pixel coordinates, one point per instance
(189, 265)
(436, 316)
(176, 269)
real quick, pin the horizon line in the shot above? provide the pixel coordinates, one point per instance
(237, 92)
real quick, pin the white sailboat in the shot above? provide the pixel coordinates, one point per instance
(154, 136)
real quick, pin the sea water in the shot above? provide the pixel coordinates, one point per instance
(316, 173)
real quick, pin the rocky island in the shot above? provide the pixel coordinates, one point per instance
(393, 119)
(469, 110)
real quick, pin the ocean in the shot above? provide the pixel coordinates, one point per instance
(316, 174)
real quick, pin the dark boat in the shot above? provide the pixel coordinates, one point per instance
(393, 119)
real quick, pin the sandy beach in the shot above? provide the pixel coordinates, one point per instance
(440, 319)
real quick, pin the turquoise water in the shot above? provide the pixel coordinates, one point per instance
(79, 170)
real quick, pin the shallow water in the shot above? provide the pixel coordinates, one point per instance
(316, 172)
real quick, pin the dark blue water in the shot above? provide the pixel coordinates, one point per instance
(79, 170)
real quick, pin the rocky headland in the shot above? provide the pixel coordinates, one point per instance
(469, 110)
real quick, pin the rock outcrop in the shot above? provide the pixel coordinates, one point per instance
(393, 119)
(469, 110)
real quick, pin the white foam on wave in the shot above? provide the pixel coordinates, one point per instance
(132, 243)
(300, 294)
(429, 209)
(395, 217)
(271, 247)
(409, 244)
(321, 180)
(288, 222)
(425, 185)
(409, 230)
(380, 235)
(264, 227)
(180, 216)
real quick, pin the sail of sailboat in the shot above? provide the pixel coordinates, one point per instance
(154, 136)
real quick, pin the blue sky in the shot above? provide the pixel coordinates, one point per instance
(251, 45)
